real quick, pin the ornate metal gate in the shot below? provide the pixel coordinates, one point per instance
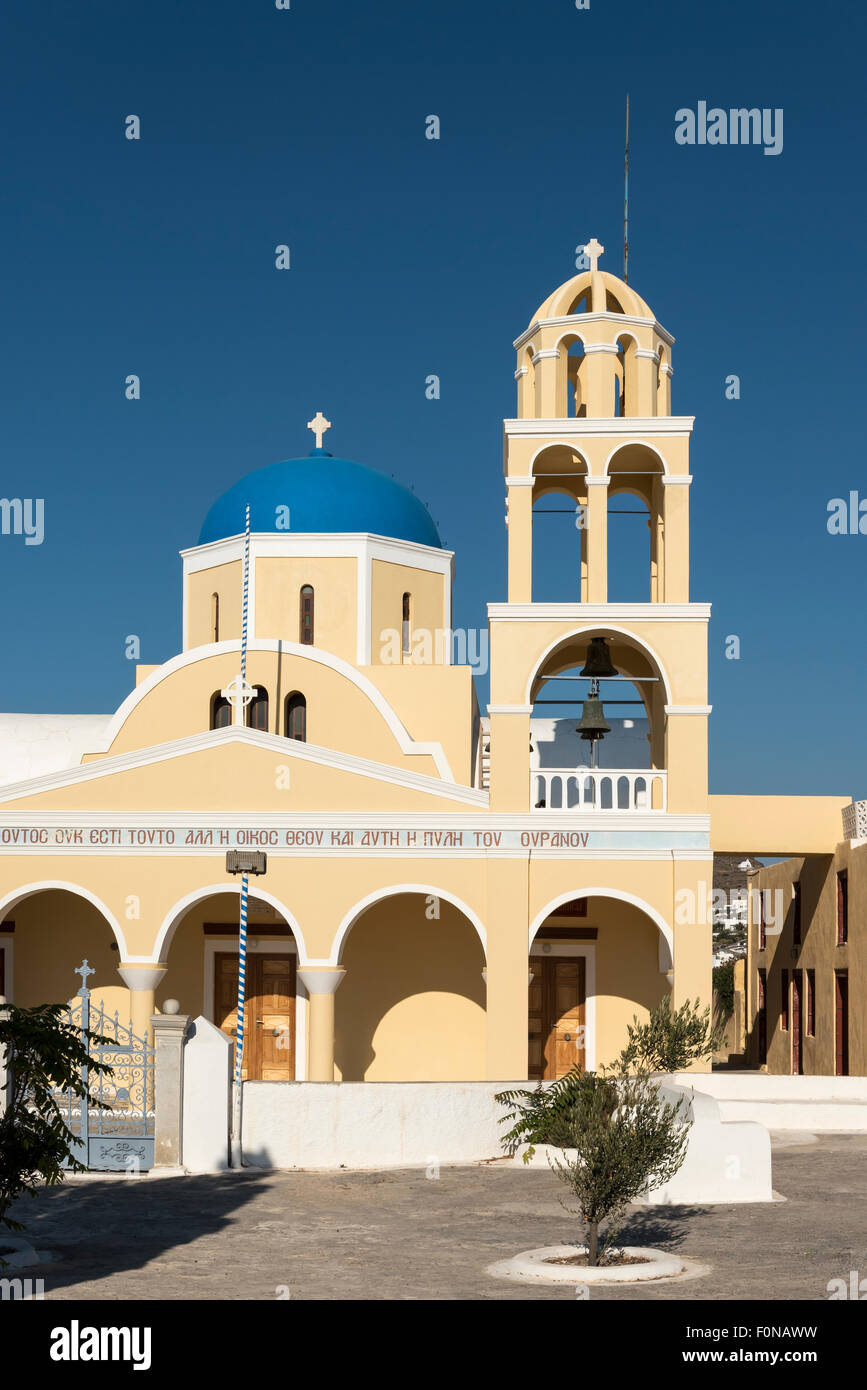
(122, 1136)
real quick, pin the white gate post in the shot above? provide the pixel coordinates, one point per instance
(169, 1031)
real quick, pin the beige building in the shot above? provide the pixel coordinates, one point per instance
(807, 961)
(447, 897)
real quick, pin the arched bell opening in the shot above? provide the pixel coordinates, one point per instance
(572, 378)
(636, 530)
(597, 728)
(559, 521)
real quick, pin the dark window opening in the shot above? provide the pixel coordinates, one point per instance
(221, 712)
(305, 635)
(257, 710)
(296, 717)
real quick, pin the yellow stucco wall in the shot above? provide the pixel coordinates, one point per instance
(389, 583)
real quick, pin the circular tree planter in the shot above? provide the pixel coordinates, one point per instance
(545, 1266)
(18, 1254)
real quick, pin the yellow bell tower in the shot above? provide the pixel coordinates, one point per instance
(594, 422)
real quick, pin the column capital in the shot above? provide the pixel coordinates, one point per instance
(676, 479)
(141, 977)
(520, 482)
(590, 481)
(321, 979)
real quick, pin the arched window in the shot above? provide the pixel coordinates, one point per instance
(215, 617)
(406, 625)
(221, 711)
(257, 710)
(306, 618)
(296, 717)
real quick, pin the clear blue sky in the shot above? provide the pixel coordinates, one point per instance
(412, 257)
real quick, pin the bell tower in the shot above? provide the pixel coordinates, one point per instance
(594, 422)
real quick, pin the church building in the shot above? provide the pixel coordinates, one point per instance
(449, 894)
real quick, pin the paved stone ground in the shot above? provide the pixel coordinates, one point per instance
(399, 1235)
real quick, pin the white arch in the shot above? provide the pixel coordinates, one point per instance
(666, 943)
(17, 895)
(382, 893)
(626, 444)
(405, 742)
(572, 332)
(556, 444)
(601, 626)
(173, 917)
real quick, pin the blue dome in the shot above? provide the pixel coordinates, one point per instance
(323, 494)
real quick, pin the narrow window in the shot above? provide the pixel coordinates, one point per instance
(797, 1025)
(221, 712)
(215, 617)
(841, 1022)
(763, 933)
(842, 908)
(811, 1003)
(257, 710)
(784, 1000)
(406, 624)
(762, 1017)
(296, 717)
(796, 914)
(306, 619)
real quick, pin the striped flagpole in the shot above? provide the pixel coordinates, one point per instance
(242, 930)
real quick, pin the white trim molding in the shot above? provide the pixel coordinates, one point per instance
(543, 353)
(666, 945)
(590, 481)
(599, 613)
(520, 482)
(575, 321)
(380, 894)
(677, 480)
(268, 644)
(601, 347)
(255, 738)
(613, 426)
(688, 709)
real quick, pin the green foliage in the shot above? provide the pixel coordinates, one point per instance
(44, 1054)
(627, 1141)
(724, 987)
(670, 1040)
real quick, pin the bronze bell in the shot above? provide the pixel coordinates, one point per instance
(593, 723)
(598, 664)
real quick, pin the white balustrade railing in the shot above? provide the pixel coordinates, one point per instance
(855, 821)
(597, 789)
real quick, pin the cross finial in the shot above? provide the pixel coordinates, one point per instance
(239, 694)
(84, 970)
(319, 425)
(593, 250)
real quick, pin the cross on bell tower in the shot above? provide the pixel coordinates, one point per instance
(593, 250)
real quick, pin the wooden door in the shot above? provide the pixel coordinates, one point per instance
(557, 1003)
(269, 1012)
(797, 1033)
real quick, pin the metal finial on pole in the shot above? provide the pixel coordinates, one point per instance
(626, 201)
